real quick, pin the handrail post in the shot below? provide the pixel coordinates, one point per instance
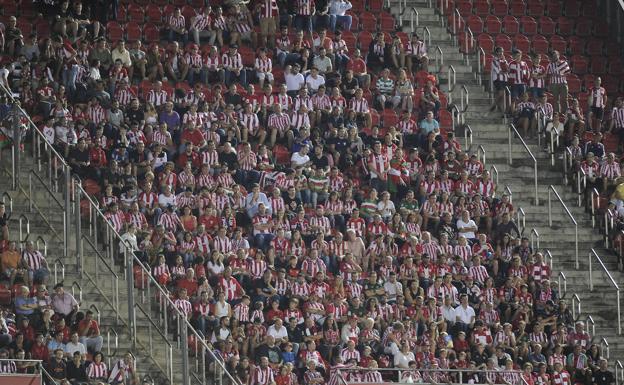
(510, 134)
(591, 281)
(68, 187)
(78, 229)
(619, 311)
(184, 343)
(549, 209)
(130, 286)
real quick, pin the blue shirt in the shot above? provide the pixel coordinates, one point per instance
(20, 301)
(288, 357)
(426, 127)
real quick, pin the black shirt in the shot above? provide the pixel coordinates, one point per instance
(319, 162)
(274, 354)
(77, 373)
(347, 87)
(57, 368)
(229, 159)
(77, 155)
(291, 203)
(603, 377)
(294, 335)
(135, 116)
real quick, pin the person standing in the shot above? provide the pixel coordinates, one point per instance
(558, 84)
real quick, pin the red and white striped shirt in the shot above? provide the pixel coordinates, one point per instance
(124, 96)
(518, 72)
(34, 259)
(184, 306)
(299, 120)
(599, 96)
(201, 22)
(98, 371)
(232, 62)
(558, 71)
(202, 243)
(537, 70)
(241, 312)
(212, 63)
(305, 7)
(479, 274)
(347, 355)
(222, 245)
(618, 117)
(263, 65)
(359, 105)
(269, 8)
(96, 114)
(321, 102)
(561, 378)
(499, 70)
(177, 22)
(262, 376)
(250, 122)
(157, 98)
(300, 289)
(138, 219)
(610, 170)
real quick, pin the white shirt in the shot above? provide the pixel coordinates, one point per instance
(339, 7)
(166, 200)
(294, 81)
(461, 224)
(402, 360)
(466, 315)
(277, 333)
(298, 159)
(448, 312)
(392, 289)
(314, 84)
(71, 348)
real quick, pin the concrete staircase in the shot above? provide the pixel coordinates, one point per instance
(492, 135)
(100, 279)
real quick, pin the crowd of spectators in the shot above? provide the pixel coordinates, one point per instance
(300, 235)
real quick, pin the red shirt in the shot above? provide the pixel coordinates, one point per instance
(189, 285)
(39, 352)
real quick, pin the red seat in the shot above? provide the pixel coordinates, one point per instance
(456, 23)
(610, 83)
(487, 64)
(557, 43)
(588, 81)
(613, 48)
(133, 31)
(446, 120)
(114, 31)
(485, 41)
(503, 41)
(579, 64)
(475, 23)
(539, 44)
(565, 26)
(584, 28)
(375, 6)
(522, 43)
(499, 8)
(481, 8)
(355, 23)
(553, 8)
(368, 21)
(178, 3)
(151, 33)
(547, 26)
(357, 6)
(598, 65)
(387, 22)
(594, 47)
(449, 6)
(576, 45)
(535, 9)
(466, 42)
(572, 8)
(616, 66)
(136, 13)
(42, 28)
(529, 25)
(389, 118)
(248, 56)
(517, 8)
(153, 14)
(375, 118)
(590, 10)
(189, 13)
(610, 142)
(464, 7)
(493, 25)
(511, 25)
(25, 27)
(574, 84)
(365, 38)
(601, 30)
(350, 40)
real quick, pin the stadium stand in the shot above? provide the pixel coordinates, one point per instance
(289, 172)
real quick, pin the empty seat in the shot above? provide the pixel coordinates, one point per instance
(580, 64)
(365, 38)
(529, 25)
(611, 84)
(464, 7)
(576, 45)
(565, 26)
(574, 84)
(572, 8)
(594, 47)
(136, 13)
(493, 25)
(486, 42)
(553, 8)
(481, 8)
(387, 22)
(499, 8)
(517, 8)
(539, 44)
(151, 33)
(503, 41)
(368, 21)
(616, 66)
(590, 10)
(133, 31)
(466, 42)
(389, 118)
(535, 9)
(153, 14)
(588, 81)
(547, 26)
(375, 6)
(511, 25)
(598, 65)
(522, 43)
(475, 24)
(584, 28)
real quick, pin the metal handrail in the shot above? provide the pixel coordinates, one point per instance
(452, 80)
(553, 144)
(562, 278)
(512, 131)
(464, 98)
(581, 185)
(456, 119)
(576, 306)
(23, 220)
(550, 260)
(604, 347)
(58, 262)
(45, 245)
(93, 307)
(507, 191)
(593, 209)
(169, 347)
(467, 136)
(534, 238)
(521, 219)
(613, 282)
(76, 285)
(567, 164)
(456, 17)
(552, 190)
(438, 53)
(506, 103)
(413, 12)
(9, 199)
(481, 155)
(609, 223)
(112, 331)
(427, 36)
(480, 65)
(494, 176)
(619, 373)
(590, 320)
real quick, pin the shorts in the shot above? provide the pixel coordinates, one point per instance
(499, 85)
(267, 26)
(537, 92)
(598, 112)
(517, 90)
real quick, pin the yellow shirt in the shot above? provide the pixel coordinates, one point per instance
(10, 259)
